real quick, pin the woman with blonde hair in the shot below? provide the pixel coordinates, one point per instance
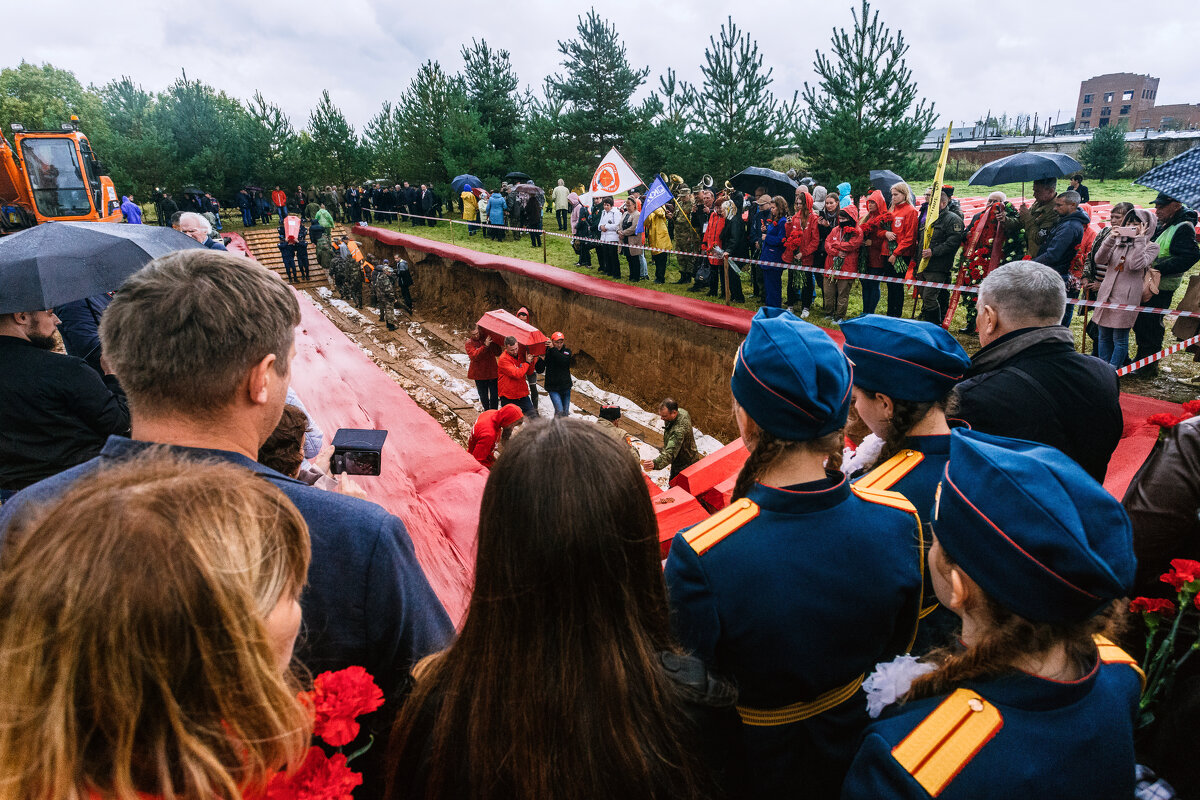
(147, 620)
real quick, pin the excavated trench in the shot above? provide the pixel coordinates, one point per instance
(643, 354)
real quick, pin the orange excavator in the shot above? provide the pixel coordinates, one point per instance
(53, 175)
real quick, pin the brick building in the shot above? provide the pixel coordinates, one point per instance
(1119, 96)
(1182, 116)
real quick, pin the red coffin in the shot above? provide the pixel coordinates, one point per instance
(713, 469)
(720, 495)
(499, 324)
(675, 509)
(291, 228)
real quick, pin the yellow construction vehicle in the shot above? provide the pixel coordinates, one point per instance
(53, 175)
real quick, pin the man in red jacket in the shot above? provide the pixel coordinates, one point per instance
(487, 432)
(483, 351)
(279, 198)
(903, 242)
(513, 377)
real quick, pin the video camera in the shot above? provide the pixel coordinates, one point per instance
(357, 451)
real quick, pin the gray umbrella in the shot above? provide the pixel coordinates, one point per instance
(61, 262)
(1178, 178)
(1022, 167)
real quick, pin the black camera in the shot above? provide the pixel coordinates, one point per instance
(357, 451)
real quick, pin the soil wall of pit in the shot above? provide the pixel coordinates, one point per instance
(643, 354)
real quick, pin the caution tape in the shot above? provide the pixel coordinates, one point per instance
(1161, 354)
(831, 273)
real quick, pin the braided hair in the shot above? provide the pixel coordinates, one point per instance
(768, 448)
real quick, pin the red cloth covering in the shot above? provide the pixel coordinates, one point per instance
(500, 324)
(513, 384)
(486, 433)
(483, 359)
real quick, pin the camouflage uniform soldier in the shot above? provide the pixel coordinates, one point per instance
(384, 284)
(686, 238)
(354, 282)
(325, 257)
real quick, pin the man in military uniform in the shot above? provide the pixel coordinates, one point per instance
(403, 279)
(354, 283)
(608, 425)
(1041, 217)
(679, 440)
(384, 286)
(948, 234)
(324, 249)
(687, 237)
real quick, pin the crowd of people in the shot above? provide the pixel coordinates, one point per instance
(940, 618)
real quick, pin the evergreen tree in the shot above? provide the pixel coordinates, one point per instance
(208, 136)
(1105, 154)
(138, 155)
(335, 149)
(490, 84)
(744, 124)
(546, 151)
(276, 152)
(863, 114)
(421, 115)
(664, 140)
(384, 143)
(597, 88)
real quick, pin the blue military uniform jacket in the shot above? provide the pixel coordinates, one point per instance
(915, 472)
(1017, 736)
(796, 593)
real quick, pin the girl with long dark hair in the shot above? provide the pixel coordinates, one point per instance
(803, 583)
(1032, 554)
(565, 681)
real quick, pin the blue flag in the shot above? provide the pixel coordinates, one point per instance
(657, 197)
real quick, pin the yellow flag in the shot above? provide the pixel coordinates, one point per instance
(935, 199)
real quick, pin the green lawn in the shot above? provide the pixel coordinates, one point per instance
(1114, 191)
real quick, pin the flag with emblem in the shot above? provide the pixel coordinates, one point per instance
(613, 176)
(657, 197)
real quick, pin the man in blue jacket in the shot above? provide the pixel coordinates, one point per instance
(1058, 250)
(203, 342)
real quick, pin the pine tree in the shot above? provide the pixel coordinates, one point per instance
(137, 153)
(1105, 154)
(864, 112)
(664, 140)
(545, 150)
(384, 143)
(744, 124)
(338, 154)
(597, 88)
(276, 153)
(490, 84)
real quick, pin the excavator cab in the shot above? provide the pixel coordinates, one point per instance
(53, 175)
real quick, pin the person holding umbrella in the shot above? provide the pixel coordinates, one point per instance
(1039, 218)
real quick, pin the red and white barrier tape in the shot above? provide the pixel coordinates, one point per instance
(1161, 354)
(800, 268)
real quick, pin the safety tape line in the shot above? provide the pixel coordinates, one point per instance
(836, 274)
(1141, 362)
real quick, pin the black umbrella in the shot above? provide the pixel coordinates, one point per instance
(517, 176)
(529, 188)
(1022, 167)
(775, 182)
(884, 180)
(462, 180)
(61, 262)
(1178, 178)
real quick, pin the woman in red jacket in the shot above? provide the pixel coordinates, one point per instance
(877, 221)
(513, 378)
(903, 243)
(483, 352)
(487, 432)
(841, 249)
(803, 239)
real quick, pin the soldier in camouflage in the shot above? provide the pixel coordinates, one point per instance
(383, 283)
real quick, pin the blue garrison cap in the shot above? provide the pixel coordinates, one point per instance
(1038, 534)
(906, 359)
(791, 378)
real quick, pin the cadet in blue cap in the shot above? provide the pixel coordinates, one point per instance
(1030, 552)
(803, 583)
(904, 371)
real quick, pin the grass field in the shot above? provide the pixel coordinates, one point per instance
(1114, 191)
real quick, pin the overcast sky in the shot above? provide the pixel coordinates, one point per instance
(1018, 56)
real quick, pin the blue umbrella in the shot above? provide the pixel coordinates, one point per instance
(462, 180)
(1178, 178)
(61, 262)
(1022, 167)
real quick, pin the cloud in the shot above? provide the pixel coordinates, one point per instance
(1023, 56)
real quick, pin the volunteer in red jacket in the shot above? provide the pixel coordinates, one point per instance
(803, 239)
(903, 244)
(483, 352)
(485, 436)
(513, 378)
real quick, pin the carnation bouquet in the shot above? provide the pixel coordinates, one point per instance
(336, 700)
(1172, 633)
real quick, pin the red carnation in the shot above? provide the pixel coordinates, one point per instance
(319, 778)
(1192, 407)
(1152, 605)
(1164, 420)
(337, 698)
(1183, 572)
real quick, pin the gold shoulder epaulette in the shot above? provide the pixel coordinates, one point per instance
(883, 497)
(946, 741)
(1112, 654)
(888, 474)
(704, 535)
